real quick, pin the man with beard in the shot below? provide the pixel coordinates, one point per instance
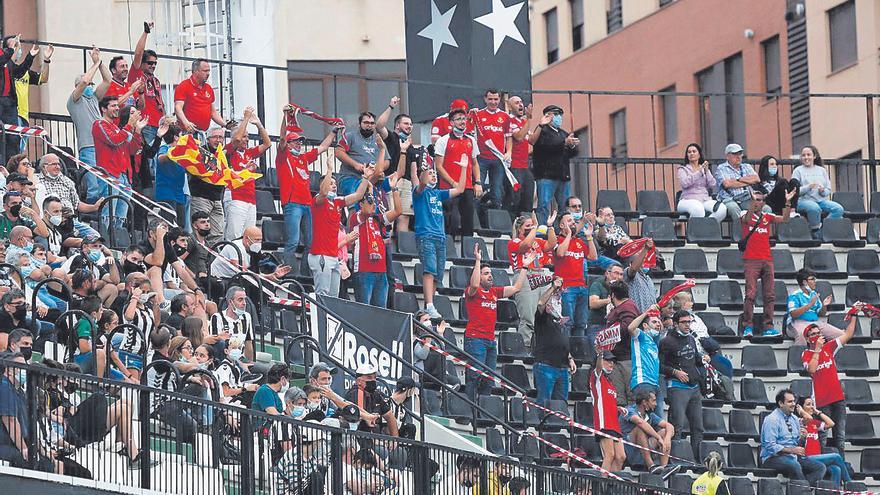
(522, 200)
(149, 96)
(400, 152)
(194, 101)
(358, 152)
(493, 131)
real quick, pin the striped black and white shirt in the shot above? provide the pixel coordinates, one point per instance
(241, 327)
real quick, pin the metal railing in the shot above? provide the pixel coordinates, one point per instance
(180, 441)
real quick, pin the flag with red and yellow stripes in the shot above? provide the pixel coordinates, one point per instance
(211, 168)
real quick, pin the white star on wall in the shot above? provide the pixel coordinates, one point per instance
(438, 30)
(502, 23)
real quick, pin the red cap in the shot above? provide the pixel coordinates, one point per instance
(459, 103)
(292, 136)
(652, 313)
(807, 330)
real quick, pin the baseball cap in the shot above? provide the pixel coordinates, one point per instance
(406, 383)
(350, 413)
(553, 109)
(608, 356)
(292, 136)
(733, 148)
(365, 369)
(20, 178)
(458, 103)
(92, 239)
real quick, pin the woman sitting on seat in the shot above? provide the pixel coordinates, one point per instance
(776, 185)
(697, 182)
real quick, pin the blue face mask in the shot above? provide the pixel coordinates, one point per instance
(772, 171)
(235, 354)
(557, 121)
(28, 247)
(38, 263)
(95, 256)
(298, 411)
(89, 92)
(403, 136)
(331, 196)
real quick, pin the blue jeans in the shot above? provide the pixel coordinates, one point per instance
(187, 224)
(51, 301)
(297, 221)
(120, 208)
(835, 466)
(83, 229)
(432, 254)
(796, 468)
(484, 351)
(575, 305)
(814, 209)
(149, 134)
(347, 184)
(549, 189)
(94, 186)
(371, 288)
(551, 382)
(492, 177)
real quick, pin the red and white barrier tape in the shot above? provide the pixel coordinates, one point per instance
(576, 457)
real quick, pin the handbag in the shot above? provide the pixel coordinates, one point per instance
(742, 243)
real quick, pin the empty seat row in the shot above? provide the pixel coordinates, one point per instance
(863, 263)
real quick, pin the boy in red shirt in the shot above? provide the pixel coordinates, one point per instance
(481, 302)
(819, 362)
(568, 261)
(606, 411)
(370, 256)
(757, 261)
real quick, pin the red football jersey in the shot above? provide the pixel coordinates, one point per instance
(491, 126)
(758, 247)
(325, 226)
(826, 383)
(519, 156)
(604, 402)
(571, 266)
(456, 153)
(482, 311)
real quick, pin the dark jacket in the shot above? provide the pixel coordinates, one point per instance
(550, 155)
(679, 352)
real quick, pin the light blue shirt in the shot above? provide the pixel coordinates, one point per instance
(798, 299)
(645, 360)
(778, 432)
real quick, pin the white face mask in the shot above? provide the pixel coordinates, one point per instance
(56, 220)
(239, 312)
(256, 247)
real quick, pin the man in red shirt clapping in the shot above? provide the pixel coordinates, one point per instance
(493, 131)
(481, 302)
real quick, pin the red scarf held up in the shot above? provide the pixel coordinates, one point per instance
(633, 247)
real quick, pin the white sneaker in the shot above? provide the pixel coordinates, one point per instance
(432, 311)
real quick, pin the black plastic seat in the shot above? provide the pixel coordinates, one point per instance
(740, 485)
(783, 263)
(839, 231)
(467, 248)
(870, 462)
(742, 426)
(460, 276)
(511, 347)
(863, 263)
(550, 456)
(266, 205)
(872, 232)
(579, 347)
(583, 412)
(760, 360)
(796, 233)
(490, 405)
(274, 234)
(507, 314)
(405, 302)
(853, 204)
(781, 292)
(579, 388)
(458, 410)
(521, 415)
(588, 444)
(795, 364)
(525, 448)
(654, 204)
(407, 248)
(662, 230)
(705, 232)
(713, 423)
(858, 395)
(823, 262)
(860, 430)
(802, 387)
(681, 483)
(825, 289)
(798, 487)
(617, 200)
(716, 325)
(853, 360)
(741, 459)
(683, 450)
(725, 294)
(550, 422)
(708, 446)
(499, 220)
(517, 374)
(444, 307)
(862, 290)
(729, 261)
(692, 264)
(859, 337)
(500, 277)
(770, 486)
(499, 250)
(495, 441)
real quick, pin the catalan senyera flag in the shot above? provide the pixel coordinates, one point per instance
(213, 169)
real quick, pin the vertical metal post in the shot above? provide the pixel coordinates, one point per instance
(336, 462)
(146, 448)
(261, 98)
(34, 418)
(247, 454)
(419, 456)
(872, 152)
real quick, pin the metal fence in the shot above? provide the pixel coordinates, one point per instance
(184, 439)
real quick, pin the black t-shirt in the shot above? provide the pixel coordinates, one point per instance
(550, 343)
(175, 321)
(413, 153)
(170, 255)
(375, 403)
(201, 189)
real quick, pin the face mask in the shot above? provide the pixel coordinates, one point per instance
(366, 133)
(256, 247)
(54, 176)
(577, 216)
(179, 250)
(38, 263)
(772, 171)
(681, 333)
(403, 136)
(56, 220)
(353, 426)
(284, 388)
(27, 352)
(95, 255)
(20, 313)
(15, 210)
(235, 354)
(132, 267)
(313, 405)
(204, 232)
(557, 121)
(370, 386)
(28, 247)
(812, 340)
(203, 366)
(295, 151)
(239, 312)
(331, 196)
(144, 298)
(298, 411)
(21, 376)
(457, 132)
(89, 92)
(607, 372)
(70, 388)
(653, 333)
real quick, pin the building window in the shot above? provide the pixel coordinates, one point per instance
(618, 133)
(772, 77)
(664, 3)
(348, 93)
(614, 14)
(577, 24)
(722, 118)
(669, 117)
(551, 22)
(842, 35)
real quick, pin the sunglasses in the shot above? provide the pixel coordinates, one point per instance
(151, 63)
